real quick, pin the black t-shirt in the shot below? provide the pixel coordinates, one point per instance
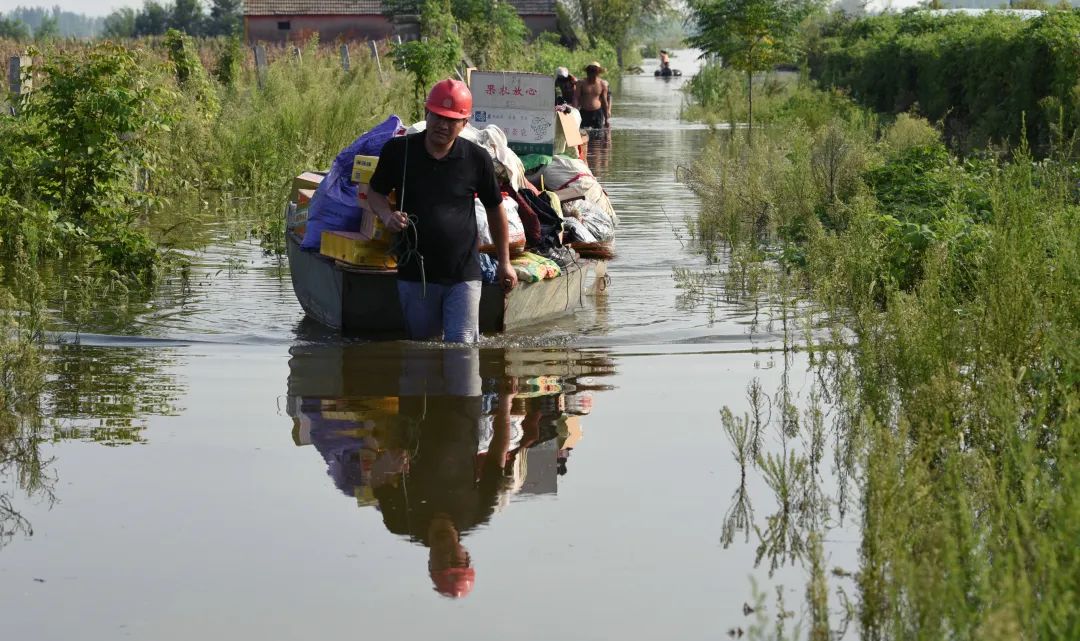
(439, 194)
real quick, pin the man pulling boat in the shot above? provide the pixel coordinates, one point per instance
(435, 175)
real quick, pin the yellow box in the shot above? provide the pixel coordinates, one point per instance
(363, 167)
(352, 248)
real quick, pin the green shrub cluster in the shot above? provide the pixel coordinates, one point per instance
(192, 77)
(799, 181)
(988, 79)
(72, 157)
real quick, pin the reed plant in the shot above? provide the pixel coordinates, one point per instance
(951, 371)
(302, 116)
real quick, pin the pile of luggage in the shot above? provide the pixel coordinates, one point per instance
(556, 209)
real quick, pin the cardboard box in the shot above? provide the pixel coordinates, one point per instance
(371, 227)
(569, 129)
(308, 180)
(353, 248)
(363, 167)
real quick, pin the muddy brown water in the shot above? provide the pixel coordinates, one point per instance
(215, 467)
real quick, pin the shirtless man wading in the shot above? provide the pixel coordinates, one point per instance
(593, 99)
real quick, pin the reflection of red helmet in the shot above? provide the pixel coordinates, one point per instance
(450, 98)
(454, 582)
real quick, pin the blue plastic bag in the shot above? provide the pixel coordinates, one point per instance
(488, 268)
(335, 206)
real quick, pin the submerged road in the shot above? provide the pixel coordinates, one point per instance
(228, 473)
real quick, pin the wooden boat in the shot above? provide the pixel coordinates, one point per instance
(361, 301)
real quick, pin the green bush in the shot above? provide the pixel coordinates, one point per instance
(228, 67)
(74, 151)
(991, 78)
(909, 131)
(190, 73)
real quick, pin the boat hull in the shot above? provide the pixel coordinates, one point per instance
(364, 302)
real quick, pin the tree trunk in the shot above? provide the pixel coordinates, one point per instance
(750, 107)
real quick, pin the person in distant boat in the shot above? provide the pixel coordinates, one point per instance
(436, 176)
(593, 98)
(665, 61)
(564, 86)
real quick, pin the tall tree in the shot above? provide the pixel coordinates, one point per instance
(120, 24)
(187, 16)
(489, 29)
(750, 35)
(69, 24)
(614, 20)
(152, 20)
(47, 29)
(435, 54)
(13, 29)
(225, 17)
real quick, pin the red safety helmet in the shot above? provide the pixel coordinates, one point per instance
(450, 98)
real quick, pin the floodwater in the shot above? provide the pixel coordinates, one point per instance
(215, 467)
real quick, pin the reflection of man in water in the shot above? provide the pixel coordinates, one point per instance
(448, 488)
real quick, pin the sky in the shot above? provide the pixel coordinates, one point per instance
(89, 7)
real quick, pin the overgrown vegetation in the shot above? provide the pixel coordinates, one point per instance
(951, 362)
(71, 155)
(987, 79)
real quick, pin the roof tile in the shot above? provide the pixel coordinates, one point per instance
(312, 7)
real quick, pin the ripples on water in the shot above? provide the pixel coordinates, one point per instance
(290, 484)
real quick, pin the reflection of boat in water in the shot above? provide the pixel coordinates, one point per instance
(440, 439)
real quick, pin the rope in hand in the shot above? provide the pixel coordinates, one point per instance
(407, 245)
(406, 248)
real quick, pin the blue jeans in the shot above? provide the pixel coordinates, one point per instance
(449, 311)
